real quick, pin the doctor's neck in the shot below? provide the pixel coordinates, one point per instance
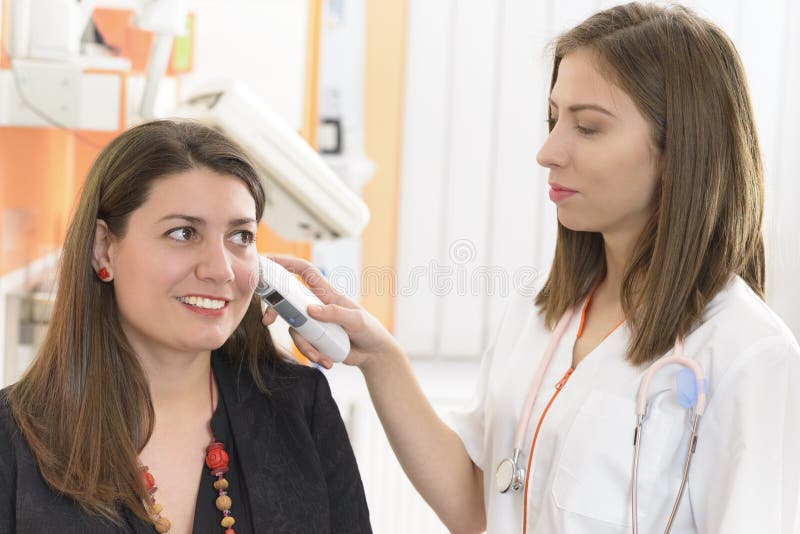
(618, 248)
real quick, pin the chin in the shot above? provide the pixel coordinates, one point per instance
(206, 343)
(574, 223)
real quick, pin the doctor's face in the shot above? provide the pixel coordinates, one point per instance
(601, 158)
(181, 272)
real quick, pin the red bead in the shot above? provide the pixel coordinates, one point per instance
(149, 481)
(217, 458)
(229, 531)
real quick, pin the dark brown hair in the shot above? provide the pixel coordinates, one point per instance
(686, 78)
(84, 404)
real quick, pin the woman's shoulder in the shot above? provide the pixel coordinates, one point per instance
(740, 315)
(286, 382)
(739, 329)
(9, 432)
(12, 442)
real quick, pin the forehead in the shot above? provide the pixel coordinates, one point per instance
(200, 192)
(580, 82)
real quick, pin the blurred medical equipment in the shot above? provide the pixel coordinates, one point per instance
(45, 47)
(305, 198)
(340, 134)
(691, 394)
(290, 298)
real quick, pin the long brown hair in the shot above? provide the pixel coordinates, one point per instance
(686, 78)
(84, 404)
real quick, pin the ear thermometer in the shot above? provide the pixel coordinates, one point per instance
(290, 298)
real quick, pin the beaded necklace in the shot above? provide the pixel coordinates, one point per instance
(217, 463)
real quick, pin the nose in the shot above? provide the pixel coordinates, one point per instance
(215, 263)
(553, 152)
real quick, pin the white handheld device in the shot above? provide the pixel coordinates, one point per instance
(290, 298)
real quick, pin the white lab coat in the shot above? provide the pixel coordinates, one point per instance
(744, 476)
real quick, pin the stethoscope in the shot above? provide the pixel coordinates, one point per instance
(692, 394)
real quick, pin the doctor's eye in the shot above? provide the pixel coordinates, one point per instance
(585, 131)
(185, 233)
(247, 237)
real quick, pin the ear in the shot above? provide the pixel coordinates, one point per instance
(103, 248)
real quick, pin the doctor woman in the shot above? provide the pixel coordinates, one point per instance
(656, 173)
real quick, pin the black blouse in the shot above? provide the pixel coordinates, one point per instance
(206, 516)
(293, 469)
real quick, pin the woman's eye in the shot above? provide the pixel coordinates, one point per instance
(585, 131)
(182, 234)
(551, 122)
(247, 238)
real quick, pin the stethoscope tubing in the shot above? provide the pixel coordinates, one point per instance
(677, 357)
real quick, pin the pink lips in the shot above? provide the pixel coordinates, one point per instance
(559, 193)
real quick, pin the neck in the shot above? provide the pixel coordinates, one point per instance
(618, 249)
(178, 381)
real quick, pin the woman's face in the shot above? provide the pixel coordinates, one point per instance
(599, 147)
(181, 273)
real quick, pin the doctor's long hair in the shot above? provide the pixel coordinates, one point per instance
(84, 404)
(686, 78)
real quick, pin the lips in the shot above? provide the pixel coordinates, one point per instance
(559, 192)
(558, 187)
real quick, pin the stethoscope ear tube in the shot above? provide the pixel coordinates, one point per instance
(699, 400)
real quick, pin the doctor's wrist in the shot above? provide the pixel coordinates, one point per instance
(382, 361)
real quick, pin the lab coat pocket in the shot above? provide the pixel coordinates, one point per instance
(593, 477)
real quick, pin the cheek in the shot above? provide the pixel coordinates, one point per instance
(145, 282)
(626, 175)
(246, 273)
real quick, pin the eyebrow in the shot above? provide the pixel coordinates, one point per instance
(580, 107)
(198, 221)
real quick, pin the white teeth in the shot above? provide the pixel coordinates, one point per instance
(201, 302)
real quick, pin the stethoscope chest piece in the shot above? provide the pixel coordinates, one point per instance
(508, 476)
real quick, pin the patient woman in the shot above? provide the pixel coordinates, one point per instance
(158, 402)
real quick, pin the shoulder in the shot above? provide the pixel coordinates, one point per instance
(290, 386)
(9, 432)
(520, 315)
(739, 331)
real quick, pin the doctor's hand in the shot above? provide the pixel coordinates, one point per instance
(369, 340)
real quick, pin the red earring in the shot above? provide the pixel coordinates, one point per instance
(103, 274)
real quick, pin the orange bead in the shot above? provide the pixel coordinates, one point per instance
(227, 522)
(221, 484)
(163, 525)
(223, 503)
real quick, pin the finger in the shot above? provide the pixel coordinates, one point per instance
(314, 279)
(269, 317)
(308, 350)
(352, 320)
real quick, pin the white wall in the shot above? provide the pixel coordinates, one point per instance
(473, 200)
(260, 42)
